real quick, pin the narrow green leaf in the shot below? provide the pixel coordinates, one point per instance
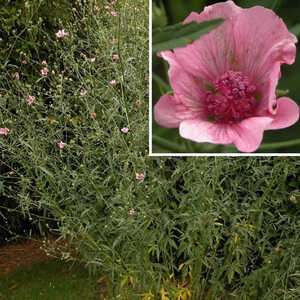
(179, 35)
(296, 30)
(46, 171)
(168, 145)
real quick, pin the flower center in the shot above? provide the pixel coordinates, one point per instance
(231, 99)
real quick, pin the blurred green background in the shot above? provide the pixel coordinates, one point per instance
(165, 140)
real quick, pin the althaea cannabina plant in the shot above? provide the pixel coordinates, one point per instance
(224, 83)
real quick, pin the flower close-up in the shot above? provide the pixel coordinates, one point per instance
(224, 83)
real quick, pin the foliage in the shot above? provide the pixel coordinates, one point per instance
(199, 228)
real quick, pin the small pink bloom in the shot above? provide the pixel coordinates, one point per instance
(224, 83)
(52, 122)
(1, 95)
(113, 13)
(43, 62)
(83, 93)
(93, 115)
(44, 71)
(61, 33)
(24, 62)
(139, 176)
(92, 59)
(125, 130)
(113, 82)
(107, 7)
(132, 212)
(4, 131)
(116, 57)
(11, 173)
(61, 145)
(30, 99)
(15, 76)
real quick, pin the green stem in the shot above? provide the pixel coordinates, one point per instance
(122, 69)
(272, 146)
(161, 83)
(165, 144)
(285, 144)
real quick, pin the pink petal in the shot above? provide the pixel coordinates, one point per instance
(202, 131)
(165, 112)
(259, 47)
(260, 50)
(169, 111)
(287, 114)
(182, 82)
(246, 135)
(213, 54)
(223, 10)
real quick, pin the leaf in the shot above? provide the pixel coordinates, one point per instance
(265, 3)
(46, 171)
(179, 35)
(296, 30)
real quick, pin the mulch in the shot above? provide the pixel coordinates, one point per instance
(24, 253)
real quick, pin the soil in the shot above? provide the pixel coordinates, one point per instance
(23, 253)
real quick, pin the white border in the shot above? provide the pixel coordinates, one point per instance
(150, 115)
(150, 78)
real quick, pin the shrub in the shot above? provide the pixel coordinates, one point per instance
(201, 228)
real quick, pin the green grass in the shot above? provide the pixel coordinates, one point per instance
(49, 280)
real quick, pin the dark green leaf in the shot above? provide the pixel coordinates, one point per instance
(179, 35)
(296, 30)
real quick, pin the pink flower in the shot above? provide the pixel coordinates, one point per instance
(125, 130)
(113, 82)
(132, 212)
(92, 59)
(93, 115)
(30, 99)
(61, 33)
(43, 62)
(139, 176)
(83, 93)
(115, 56)
(15, 76)
(113, 13)
(61, 145)
(24, 62)
(107, 7)
(4, 131)
(44, 71)
(224, 83)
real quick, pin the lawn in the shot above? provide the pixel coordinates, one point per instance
(27, 272)
(52, 279)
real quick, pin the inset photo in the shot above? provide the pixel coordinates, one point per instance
(225, 77)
